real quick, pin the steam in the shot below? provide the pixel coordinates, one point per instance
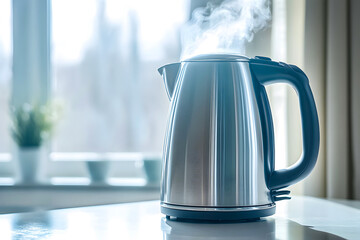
(225, 28)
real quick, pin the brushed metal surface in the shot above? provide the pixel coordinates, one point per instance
(213, 151)
(218, 209)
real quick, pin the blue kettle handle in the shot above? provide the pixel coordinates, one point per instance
(267, 72)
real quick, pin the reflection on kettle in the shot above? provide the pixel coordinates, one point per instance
(175, 230)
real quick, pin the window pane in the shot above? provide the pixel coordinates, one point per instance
(105, 56)
(5, 73)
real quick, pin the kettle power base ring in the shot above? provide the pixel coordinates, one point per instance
(218, 213)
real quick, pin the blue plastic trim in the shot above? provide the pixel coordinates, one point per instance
(217, 215)
(267, 72)
(278, 195)
(267, 129)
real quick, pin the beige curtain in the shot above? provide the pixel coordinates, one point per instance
(323, 37)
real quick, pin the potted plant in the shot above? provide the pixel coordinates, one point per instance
(31, 127)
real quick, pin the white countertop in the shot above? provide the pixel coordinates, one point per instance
(299, 218)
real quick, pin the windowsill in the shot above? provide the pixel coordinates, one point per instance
(125, 170)
(88, 156)
(82, 183)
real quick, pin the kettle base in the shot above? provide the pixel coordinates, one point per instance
(218, 213)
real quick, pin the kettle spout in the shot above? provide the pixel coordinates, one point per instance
(169, 73)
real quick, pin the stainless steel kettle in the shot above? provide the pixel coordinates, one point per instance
(218, 156)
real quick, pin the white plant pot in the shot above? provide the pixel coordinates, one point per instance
(98, 171)
(152, 168)
(31, 163)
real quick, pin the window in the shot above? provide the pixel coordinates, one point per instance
(104, 59)
(104, 63)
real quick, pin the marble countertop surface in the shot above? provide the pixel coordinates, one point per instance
(298, 218)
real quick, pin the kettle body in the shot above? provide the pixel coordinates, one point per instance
(218, 155)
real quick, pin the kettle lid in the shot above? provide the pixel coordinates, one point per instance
(217, 58)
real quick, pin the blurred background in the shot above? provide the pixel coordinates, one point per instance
(96, 62)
